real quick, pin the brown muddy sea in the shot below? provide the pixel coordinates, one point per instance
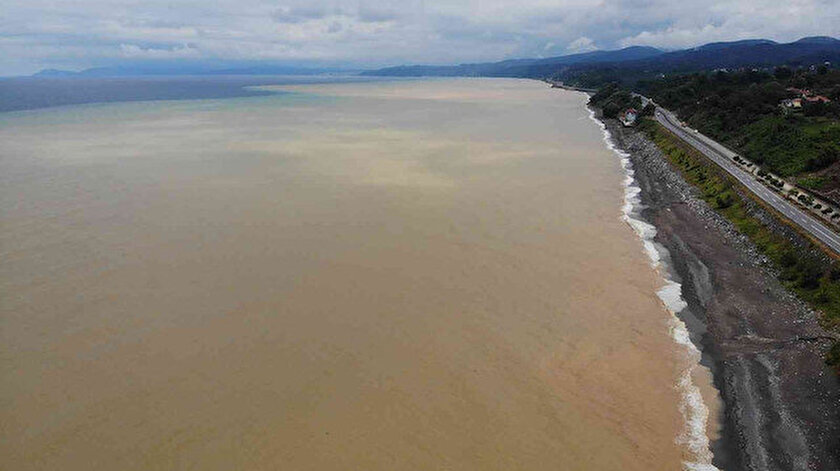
(429, 274)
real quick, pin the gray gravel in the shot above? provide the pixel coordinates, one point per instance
(763, 345)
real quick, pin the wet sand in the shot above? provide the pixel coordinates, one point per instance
(412, 275)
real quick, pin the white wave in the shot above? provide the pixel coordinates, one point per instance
(671, 296)
(693, 409)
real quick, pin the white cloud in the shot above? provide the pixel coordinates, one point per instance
(84, 33)
(581, 44)
(672, 37)
(727, 21)
(132, 51)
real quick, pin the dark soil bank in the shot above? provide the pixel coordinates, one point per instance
(765, 348)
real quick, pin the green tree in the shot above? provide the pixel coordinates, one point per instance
(783, 73)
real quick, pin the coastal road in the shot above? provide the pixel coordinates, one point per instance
(723, 157)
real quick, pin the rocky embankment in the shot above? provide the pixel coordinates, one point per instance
(764, 346)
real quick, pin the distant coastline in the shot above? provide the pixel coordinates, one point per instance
(30, 93)
(561, 85)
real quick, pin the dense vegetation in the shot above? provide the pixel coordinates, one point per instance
(612, 100)
(742, 109)
(812, 278)
(792, 145)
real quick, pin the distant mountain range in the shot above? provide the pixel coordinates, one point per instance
(519, 67)
(169, 68)
(630, 63)
(639, 61)
(748, 53)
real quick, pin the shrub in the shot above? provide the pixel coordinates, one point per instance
(724, 201)
(833, 357)
(783, 73)
(825, 157)
(814, 109)
(811, 183)
(611, 110)
(788, 259)
(810, 275)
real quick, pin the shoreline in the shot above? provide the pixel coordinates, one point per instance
(693, 403)
(781, 403)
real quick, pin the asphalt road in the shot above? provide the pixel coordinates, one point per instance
(723, 157)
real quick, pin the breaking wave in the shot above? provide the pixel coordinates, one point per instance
(694, 411)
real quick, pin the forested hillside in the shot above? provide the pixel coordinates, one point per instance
(746, 111)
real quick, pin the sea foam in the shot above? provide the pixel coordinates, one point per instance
(694, 411)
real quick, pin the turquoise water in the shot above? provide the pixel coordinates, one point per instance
(25, 93)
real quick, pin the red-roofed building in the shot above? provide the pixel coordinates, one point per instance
(817, 99)
(628, 117)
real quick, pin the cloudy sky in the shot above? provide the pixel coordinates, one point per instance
(76, 34)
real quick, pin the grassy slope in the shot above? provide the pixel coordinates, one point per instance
(812, 279)
(791, 146)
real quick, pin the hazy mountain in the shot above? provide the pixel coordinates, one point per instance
(742, 43)
(635, 62)
(826, 40)
(750, 53)
(758, 53)
(55, 73)
(518, 67)
(626, 64)
(170, 68)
